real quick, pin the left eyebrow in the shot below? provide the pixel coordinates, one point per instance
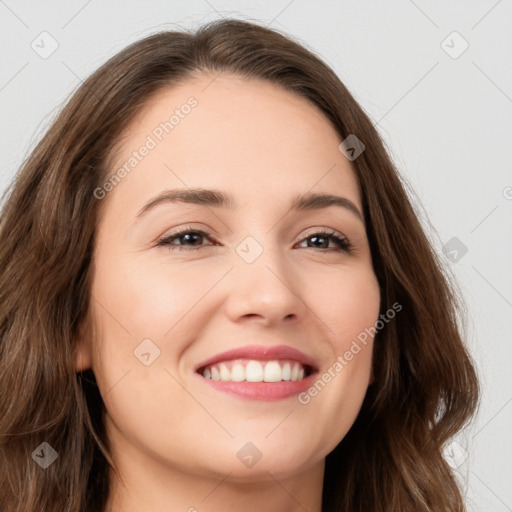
(313, 201)
(219, 199)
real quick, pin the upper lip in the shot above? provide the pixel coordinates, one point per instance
(261, 353)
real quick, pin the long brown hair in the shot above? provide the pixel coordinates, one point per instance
(425, 386)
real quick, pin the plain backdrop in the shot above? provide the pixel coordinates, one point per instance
(434, 76)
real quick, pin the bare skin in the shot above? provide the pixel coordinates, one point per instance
(174, 438)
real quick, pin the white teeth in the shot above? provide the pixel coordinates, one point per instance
(238, 373)
(253, 372)
(256, 371)
(273, 372)
(224, 372)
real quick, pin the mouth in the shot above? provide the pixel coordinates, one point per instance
(259, 372)
(250, 370)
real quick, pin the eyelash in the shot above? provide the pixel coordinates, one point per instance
(343, 244)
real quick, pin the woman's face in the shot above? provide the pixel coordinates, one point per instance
(262, 276)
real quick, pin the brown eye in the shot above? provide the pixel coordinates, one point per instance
(321, 240)
(187, 237)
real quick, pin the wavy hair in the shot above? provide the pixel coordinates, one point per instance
(425, 387)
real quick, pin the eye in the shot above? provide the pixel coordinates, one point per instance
(193, 236)
(323, 237)
(186, 235)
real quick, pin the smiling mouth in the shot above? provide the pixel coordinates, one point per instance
(251, 370)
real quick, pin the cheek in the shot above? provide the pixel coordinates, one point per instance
(145, 307)
(350, 309)
(349, 304)
(133, 365)
(147, 298)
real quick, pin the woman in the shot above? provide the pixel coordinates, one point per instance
(216, 295)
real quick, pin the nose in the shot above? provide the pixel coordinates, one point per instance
(265, 291)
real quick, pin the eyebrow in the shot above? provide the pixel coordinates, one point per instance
(217, 199)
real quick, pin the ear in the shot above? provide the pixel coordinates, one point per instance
(83, 354)
(372, 378)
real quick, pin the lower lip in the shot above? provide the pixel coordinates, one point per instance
(264, 391)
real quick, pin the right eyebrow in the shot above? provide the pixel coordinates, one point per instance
(200, 196)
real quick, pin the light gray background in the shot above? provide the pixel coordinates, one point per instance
(447, 122)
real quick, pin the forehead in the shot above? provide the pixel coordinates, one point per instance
(256, 140)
